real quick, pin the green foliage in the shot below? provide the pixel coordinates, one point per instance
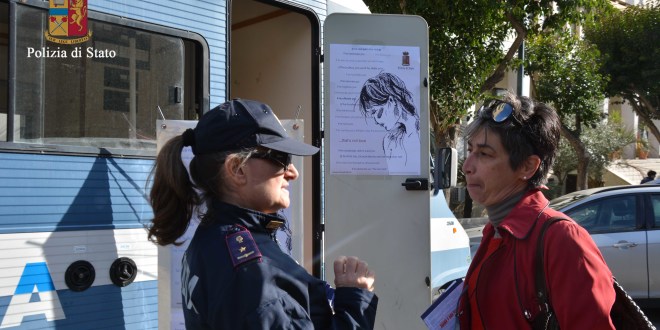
(566, 160)
(469, 40)
(465, 45)
(615, 117)
(629, 43)
(565, 72)
(601, 141)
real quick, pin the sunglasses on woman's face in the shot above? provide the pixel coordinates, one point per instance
(280, 158)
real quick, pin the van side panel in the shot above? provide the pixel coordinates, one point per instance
(59, 209)
(55, 210)
(33, 292)
(55, 193)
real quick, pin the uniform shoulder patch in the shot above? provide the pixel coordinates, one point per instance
(242, 247)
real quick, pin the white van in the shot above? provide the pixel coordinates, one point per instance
(450, 246)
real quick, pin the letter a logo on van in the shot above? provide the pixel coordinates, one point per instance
(35, 280)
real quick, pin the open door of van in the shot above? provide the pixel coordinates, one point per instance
(377, 157)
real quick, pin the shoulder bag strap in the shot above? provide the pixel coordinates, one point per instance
(539, 276)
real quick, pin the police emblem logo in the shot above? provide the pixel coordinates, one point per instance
(67, 22)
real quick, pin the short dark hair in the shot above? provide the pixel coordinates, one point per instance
(651, 173)
(534, 130)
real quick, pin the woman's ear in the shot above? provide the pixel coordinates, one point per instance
(531, 165)
(234, 170)
(391, 100)
(393, 106)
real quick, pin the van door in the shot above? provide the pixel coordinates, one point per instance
(376, 157)
(275, 58)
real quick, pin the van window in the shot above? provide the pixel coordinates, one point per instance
(107, 92)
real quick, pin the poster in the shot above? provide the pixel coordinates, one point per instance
(374, 110)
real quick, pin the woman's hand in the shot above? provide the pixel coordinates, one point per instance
(353, 272)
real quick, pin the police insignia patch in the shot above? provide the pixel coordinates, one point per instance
(242, 247)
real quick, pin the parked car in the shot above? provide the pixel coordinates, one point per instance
(624, 221)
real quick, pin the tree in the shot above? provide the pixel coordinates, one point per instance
(566, 161)
(602, 142)
(564, 72)
(629, 43)
(468, 48)
(465, 45)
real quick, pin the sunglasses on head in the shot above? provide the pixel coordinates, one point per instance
(500, 111)
(278, 157)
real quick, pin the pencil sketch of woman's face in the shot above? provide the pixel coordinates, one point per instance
(386, 114)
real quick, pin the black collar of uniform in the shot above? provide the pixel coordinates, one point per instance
(256, 221)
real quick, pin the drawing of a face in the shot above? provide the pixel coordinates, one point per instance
(386, 115)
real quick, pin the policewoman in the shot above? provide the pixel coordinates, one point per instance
(235, 276)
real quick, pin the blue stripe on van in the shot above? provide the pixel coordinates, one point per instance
(56, 193)
(132, 307)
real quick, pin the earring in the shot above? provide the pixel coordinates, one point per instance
(524, 178)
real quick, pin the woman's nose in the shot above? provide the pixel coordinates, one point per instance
(291, 172)
(467, 165)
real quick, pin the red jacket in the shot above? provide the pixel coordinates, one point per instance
(578, 279)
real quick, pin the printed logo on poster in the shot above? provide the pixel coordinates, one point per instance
(67, 22)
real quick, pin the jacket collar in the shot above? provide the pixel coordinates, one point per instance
(520, 221)
(255, 221)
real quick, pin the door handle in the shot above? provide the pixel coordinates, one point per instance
(416, 184)
(624, 245)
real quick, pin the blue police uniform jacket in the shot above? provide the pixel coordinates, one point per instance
(235, 276)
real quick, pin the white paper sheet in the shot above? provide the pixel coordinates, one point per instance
(441, 315)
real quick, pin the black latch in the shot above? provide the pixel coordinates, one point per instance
(79, 276)
(416, 184)
(123, 271)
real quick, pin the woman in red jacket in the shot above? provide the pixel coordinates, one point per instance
(512, 144)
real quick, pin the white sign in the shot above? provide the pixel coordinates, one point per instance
(169, 257)
(374, 109)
